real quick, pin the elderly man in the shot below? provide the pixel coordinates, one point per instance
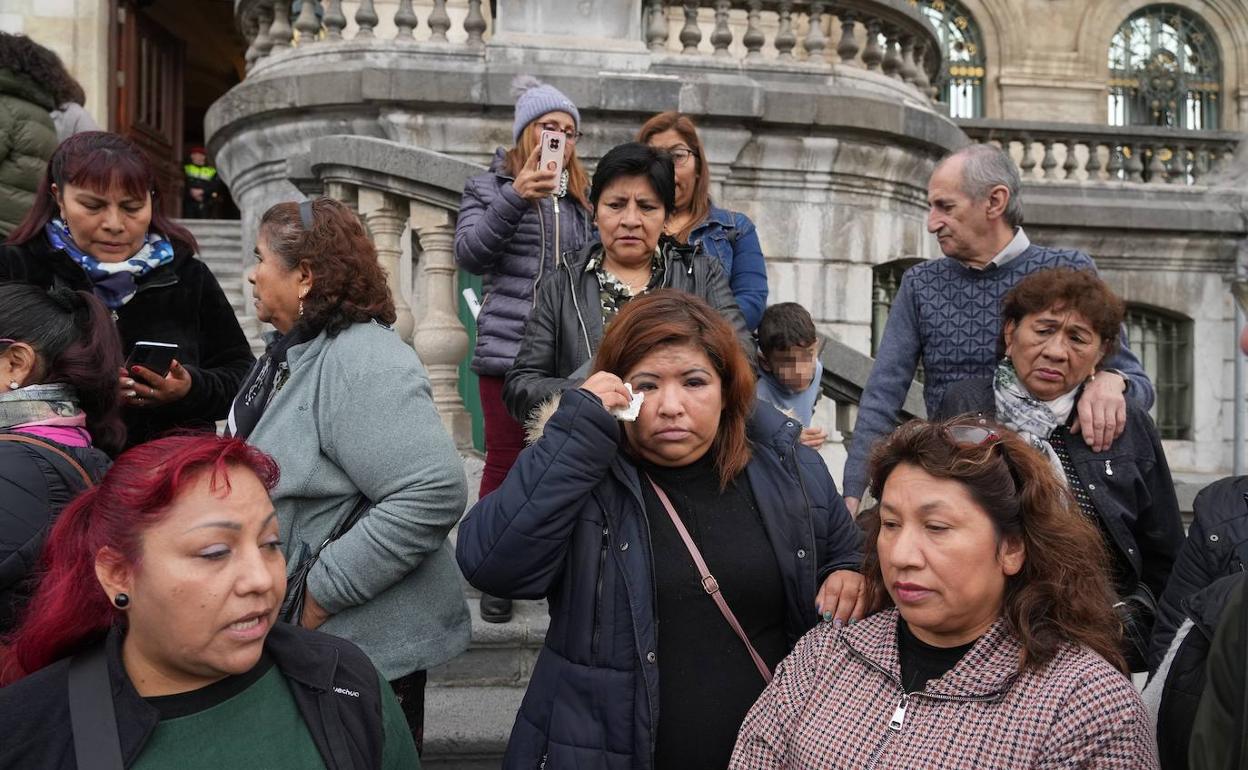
(947, 311)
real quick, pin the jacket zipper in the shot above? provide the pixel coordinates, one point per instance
(541, 256)
(554, 199)
(576, 305)
(602, 565)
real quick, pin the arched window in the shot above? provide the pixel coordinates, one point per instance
(1164, 70)
(1162, 340)
(961, 79)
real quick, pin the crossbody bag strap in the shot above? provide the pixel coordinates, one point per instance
(709, 584)
(32, 441)
(91, 713)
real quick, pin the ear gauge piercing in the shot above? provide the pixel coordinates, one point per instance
(121, 601)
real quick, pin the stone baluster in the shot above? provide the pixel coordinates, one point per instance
(386, 221)
(365, 19)
(474, 25)
(846, 417)
(1048, 164)
(892, 56)
(251, 32)
(786, 38)
(1116, 164)
(263, 43)
(1135, 164)
(1093, 165)
(1156, 168)
(333, 20)
(1178, 165)
(1028, 164)
(405, 21)
(1070, 166)
(656, 33)
(721, 37)
(439, 22)
(439, 338)
(909, 70)
(280, 30)
(815, 41)
(872, 55)
(753, 39)
(847, 48)
(307, 25)
(691, 33)
(347, 194)
(921, 80)
(1200, 157)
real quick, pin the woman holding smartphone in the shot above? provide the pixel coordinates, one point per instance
(516, 222)
(95, 227)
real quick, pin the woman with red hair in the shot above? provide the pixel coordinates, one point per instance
(152, 640)
(610, 522)
(95, 227)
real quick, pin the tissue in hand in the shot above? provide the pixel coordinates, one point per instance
(630, 412)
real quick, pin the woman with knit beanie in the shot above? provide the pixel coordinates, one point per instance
(516, 222)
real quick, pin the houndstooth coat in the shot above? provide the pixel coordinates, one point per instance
(836, 703)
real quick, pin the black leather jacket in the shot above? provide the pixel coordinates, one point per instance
(565, 327)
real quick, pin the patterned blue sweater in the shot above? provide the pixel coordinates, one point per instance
(949, 315)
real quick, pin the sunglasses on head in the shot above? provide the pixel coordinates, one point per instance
(971, 435)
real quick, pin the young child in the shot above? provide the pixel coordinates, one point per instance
(788, 356)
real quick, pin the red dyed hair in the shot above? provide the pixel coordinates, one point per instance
(70, 609)
(672, 317)
(98, 161)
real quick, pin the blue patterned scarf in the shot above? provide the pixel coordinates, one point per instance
(114, 283)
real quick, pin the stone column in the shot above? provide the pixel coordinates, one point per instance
(440, 339)
(386, 221)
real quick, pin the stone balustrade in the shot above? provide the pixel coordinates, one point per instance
(1107, 155)
(272, 26)
(400, 190)
(888, 36)
(845, 373)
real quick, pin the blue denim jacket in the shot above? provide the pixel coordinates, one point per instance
(730, 236)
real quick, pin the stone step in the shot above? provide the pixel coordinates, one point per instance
(501, 654)
(466, 728)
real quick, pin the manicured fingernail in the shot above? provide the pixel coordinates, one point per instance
(837, 623)
(127, 383)
(827, 616)
(852, 621)
(131, 394)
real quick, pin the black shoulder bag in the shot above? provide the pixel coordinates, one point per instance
(297, 581)
(92, 716)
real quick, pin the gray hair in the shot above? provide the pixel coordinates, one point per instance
(985, 166)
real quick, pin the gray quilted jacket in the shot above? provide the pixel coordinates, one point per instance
(510, 242)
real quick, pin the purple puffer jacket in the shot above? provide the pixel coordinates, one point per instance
(511, 242)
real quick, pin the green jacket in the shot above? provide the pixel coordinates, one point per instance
(27, 140)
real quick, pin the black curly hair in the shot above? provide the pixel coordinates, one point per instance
(26, 57)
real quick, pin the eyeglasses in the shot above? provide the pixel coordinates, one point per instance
(971, 435)
(680, 155)
(571, 133)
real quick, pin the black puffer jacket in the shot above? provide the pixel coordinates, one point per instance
(335, 687)
(1217, 545)
(1129, 484)
(35, 484)
(563, 332)
(180, 303)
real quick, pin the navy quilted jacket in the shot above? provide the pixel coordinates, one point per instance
(511, 242)
(569, 524)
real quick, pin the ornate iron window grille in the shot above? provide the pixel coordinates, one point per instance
(1164, 70)
(1163, 342)
(885, 281)
(961, 81)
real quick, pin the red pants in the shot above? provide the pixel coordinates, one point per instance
(504, 437)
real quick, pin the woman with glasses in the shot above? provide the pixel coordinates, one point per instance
(632, 195)
(989, 642)
(729, 236)
(1058, 326)
(516, 223)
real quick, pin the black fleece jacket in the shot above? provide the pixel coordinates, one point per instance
(179, 303)
(335, 687)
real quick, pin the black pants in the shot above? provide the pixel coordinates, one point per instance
(410, 690)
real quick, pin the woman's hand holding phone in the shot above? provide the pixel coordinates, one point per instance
(142, 387)
(534, 183)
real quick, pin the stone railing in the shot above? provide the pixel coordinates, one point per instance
(1107, 154)
(398, 190)
(845, 372)
(270, 27)
(889, 36)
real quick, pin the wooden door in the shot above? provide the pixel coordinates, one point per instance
(149, 98)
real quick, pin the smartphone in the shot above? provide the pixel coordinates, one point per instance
(474, 304)
(156, 356)
(552, 151)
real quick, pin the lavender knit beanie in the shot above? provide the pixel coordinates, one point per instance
(535, 99)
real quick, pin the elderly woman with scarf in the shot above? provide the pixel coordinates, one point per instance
(1058, 326)
(95, 226)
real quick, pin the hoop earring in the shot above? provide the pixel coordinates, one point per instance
(121, 601)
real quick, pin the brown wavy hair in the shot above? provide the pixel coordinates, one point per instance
(671, 317)
(578, 178)
(1063, 594)
(348, 285)
(682, 124)
(1064, 288)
